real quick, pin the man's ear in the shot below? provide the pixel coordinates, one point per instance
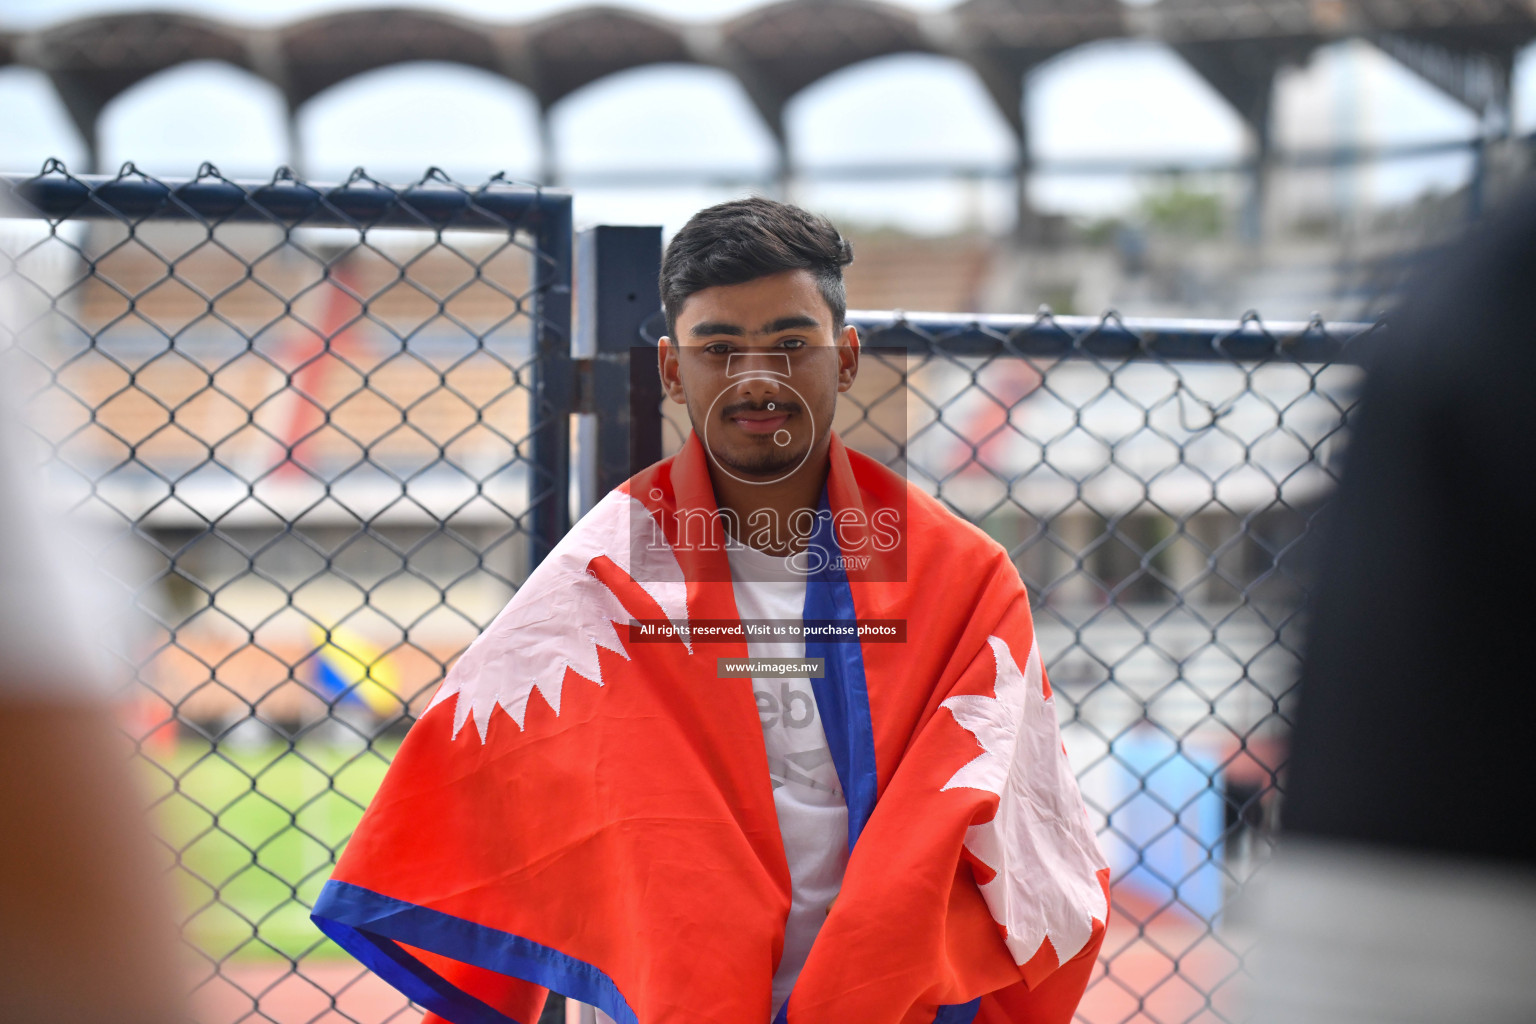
(847, 357)
(666, 363)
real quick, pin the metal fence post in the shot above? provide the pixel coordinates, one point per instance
(618, 294)
(554, 380)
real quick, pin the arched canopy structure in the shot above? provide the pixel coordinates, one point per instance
(315, 54)
(1466, 48)
(242, 122)
(658, 117)
(782, 48)
(572, 50)
(392, 120)
(903, 108)
(1238, 46)
(1004, 40)
(93, 60)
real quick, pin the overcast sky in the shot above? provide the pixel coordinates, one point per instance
(1122, 99)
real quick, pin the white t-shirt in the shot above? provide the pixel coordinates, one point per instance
(813, 815)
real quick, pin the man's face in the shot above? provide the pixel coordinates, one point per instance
(759, 367)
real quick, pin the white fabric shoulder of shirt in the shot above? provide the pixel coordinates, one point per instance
(48, 649)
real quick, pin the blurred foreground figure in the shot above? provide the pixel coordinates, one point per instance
(85, 933)
(1405, 889)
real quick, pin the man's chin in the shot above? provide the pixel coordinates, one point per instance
(762, 466)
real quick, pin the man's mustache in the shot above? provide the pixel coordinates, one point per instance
(779, 406)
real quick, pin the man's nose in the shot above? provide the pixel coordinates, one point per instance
(755, 364)
(757, 387)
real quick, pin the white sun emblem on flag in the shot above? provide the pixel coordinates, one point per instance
(562, 615)
(1039, 845)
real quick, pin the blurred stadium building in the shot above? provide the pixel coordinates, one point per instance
(1277, 225)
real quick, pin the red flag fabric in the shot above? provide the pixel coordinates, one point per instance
(588, 810)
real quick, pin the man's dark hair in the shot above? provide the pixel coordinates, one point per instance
(745, 239)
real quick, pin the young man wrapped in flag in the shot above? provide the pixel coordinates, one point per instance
(614, 797)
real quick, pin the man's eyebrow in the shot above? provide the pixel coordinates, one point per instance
(789, 323)
(713, 327)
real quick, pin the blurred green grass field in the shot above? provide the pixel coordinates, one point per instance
(252, 834)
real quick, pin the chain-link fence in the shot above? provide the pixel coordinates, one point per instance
(1156, 482)
(320, 434)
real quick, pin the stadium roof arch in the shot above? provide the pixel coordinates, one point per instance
(91, 61)
(310, 56)
(1004, 40)
(779, 49)
(1466, 47)
(571, 50)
